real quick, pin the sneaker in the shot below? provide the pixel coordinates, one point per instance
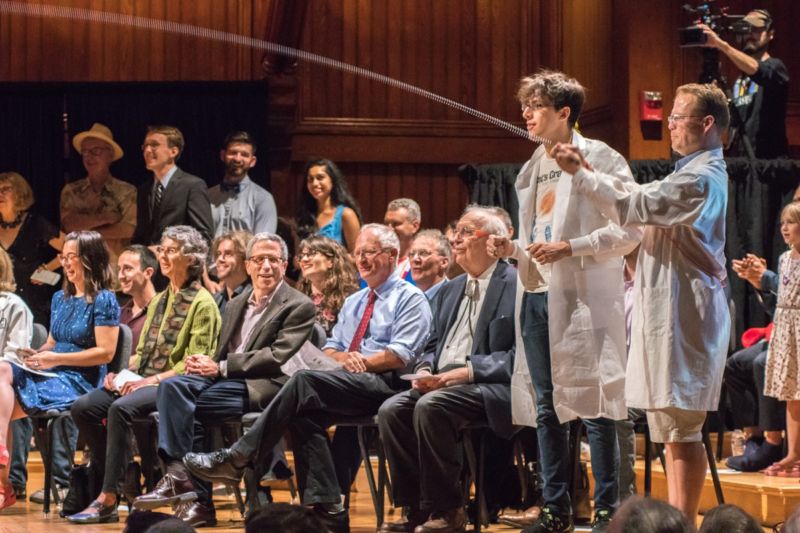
(21, 493)
(38, 496)
(757, 459)
(549, 522)
(602, 519)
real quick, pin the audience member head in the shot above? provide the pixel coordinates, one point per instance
(283, 518)
(796, 195)
(504, 215)
(551, 103)
(238, 154)
(230, 253)
(324, 183)
(376, 251)
(404, 217)
(430, 257)
(136, 266)
(475, 225)
(182, 255)
(698, 119)
(327, 269)
(85, 261)
(645, 515)
(7, 282)
(267, 258)
(790, 224)
(140, 521)
(728, 518)
(15, 193)
(162, 147)
(98, 150)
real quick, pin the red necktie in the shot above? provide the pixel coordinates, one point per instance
(364, 324)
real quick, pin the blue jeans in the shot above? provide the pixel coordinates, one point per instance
(553, 436)
(21, 446)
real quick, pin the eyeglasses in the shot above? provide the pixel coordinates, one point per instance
(6, 189)
(258, 260)
(171, 250)
(534, 106)
(308, 254)
(67, 258)
(96, 151)
(422, 254)
(152, 144)
(367, 254)
(672, 119)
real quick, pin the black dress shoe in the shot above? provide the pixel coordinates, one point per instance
(408, 522)
(170, 490)
(215, 466)
(197, 514)
(334, 521)
(96, 513)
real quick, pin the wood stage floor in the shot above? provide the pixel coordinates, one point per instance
(770, 500)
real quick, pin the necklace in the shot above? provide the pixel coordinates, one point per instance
(14, 223)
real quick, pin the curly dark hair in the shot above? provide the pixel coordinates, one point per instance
(341, 281)
(340, 195)
(94, 258)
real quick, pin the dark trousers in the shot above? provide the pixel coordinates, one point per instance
(109, 444)
(422, 438)
(744, 382)
(306, 406)
(187, 405)
(553, 436)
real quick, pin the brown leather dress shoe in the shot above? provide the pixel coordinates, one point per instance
(452, 521)
(409, 521)
(171, 490)
(520, 519)
(197, 514)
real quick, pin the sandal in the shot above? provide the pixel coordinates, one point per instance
(4, 456)
(9, 497)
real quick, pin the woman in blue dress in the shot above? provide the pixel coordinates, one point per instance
(327, 207)
(84, 327)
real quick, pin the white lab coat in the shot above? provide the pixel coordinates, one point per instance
(585, 300)
(681, 320)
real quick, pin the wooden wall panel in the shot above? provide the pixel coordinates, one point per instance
(46, 49)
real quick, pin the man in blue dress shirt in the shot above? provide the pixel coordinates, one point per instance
(381, 330)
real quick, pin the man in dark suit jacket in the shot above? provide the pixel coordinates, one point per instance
(173, 197)
(261, 329)
(467, 366)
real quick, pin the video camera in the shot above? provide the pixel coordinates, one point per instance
(718, 19)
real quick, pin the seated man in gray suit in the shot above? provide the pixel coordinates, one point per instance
(261, 329)
(468, 362)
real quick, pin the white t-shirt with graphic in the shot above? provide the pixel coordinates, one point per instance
(542, 227)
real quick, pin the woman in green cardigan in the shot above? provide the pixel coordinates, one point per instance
(181, 320)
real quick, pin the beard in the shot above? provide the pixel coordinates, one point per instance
(235, 171)
(752, 48)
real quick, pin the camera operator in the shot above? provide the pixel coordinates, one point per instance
(760, 92)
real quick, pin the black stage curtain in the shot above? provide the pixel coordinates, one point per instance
(757, 191)
(40, 119)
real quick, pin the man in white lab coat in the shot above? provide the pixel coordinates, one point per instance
(570, 304)
(681, 321)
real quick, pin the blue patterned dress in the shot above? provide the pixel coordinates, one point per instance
(72, 326)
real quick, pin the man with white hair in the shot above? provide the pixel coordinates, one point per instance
(381, 330)
(467, 374)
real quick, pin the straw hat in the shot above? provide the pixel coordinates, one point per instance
(98, 131)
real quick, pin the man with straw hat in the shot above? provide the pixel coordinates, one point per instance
(99, 202)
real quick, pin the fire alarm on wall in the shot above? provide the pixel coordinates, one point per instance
(651, 106)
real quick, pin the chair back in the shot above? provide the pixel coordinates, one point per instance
(39, 335)
(318, 336)
(123, 352)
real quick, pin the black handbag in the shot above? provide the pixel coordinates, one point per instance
(82, 489)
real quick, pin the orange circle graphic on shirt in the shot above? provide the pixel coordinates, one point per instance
(547, 202)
